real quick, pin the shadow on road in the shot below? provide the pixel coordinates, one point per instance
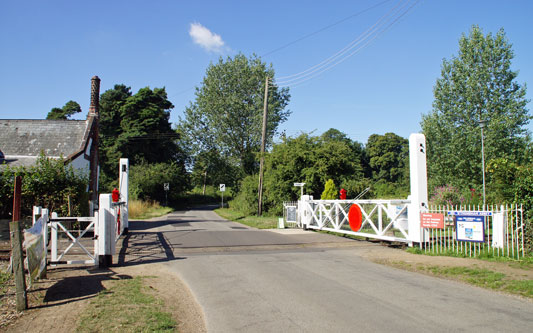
(144, 247)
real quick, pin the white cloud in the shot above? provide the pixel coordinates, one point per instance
(205, 38)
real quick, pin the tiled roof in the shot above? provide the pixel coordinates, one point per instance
(23, 138)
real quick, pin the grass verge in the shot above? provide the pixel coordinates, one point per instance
(138, 209)
(480, 277)
(259, 222)
(524, 262)
(126, 307)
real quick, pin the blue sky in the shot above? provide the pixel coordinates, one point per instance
(51, 49)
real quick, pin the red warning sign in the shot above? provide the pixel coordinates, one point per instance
(355, 217)
(432, 220)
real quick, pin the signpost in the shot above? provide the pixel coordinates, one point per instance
(222, 190)
(301, 186)
(166, 187)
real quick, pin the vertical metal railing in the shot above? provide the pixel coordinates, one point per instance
(445, 240)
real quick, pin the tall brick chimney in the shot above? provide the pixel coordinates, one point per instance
(92, 118)
(95, 96)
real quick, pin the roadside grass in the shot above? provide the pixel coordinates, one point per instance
(484, 278)
(126, 307)
(259, 222)
(138, 209)
(524, 262)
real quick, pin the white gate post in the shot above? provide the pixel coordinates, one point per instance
(106, 234)
(419, 184)
(123, 189)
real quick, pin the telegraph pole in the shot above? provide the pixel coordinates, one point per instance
(263, 139)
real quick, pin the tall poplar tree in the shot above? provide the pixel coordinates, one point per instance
(476, 87)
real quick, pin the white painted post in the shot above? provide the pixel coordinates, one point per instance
(106, 235)
(123, 189)
(44, 216)
(54, 241)
(499, 225)
(419, 186)
(36, 211)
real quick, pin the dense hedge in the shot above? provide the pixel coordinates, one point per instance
(50, 183)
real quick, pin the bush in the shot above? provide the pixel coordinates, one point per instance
(524, 195)
(447, 195)
(330, 191)
(50, 183)
(146, 181)
(247, 199)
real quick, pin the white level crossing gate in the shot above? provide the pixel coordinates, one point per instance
(380, 219)
(391, 220)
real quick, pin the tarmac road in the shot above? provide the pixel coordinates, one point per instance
(249, 280)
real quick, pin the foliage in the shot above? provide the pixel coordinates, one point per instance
(308, 159)
(477, 85)
(138, 209)
(210, 168)
(524, 195)
(247, 200)
(330, 191)
(227, 114)
(147, 180)
(69, 109)
(500, 177)
(49, 184)
(388, 156)
(447, 195)
(136, 127)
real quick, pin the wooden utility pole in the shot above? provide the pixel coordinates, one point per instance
(16, 248)
(263, 139)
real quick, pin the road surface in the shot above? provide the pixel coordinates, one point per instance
(249, 280)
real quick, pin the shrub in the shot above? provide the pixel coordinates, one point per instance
(247, 199)
(50, 183)
(330, 191)
(146, 181)
(447, 195)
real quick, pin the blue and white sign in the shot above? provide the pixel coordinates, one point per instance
(470, 228)
(469, 213)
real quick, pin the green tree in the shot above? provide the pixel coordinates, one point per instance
(330, 191)
(69, 109)
(388, 157)
(136, 127)
(308, 159)
(227, 113)
(475, 86)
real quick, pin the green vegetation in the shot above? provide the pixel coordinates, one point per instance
(137, 127)
(127, 307)
(475, 86)
(49, 183)
(260, 222)
(5, 279)
(330, 191)
(227, 115)
(483, 278)
(138, 209)
(69, 109)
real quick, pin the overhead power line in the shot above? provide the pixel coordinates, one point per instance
(379, 28)
(325, 28)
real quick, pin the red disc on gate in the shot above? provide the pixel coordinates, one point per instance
(355, 217)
